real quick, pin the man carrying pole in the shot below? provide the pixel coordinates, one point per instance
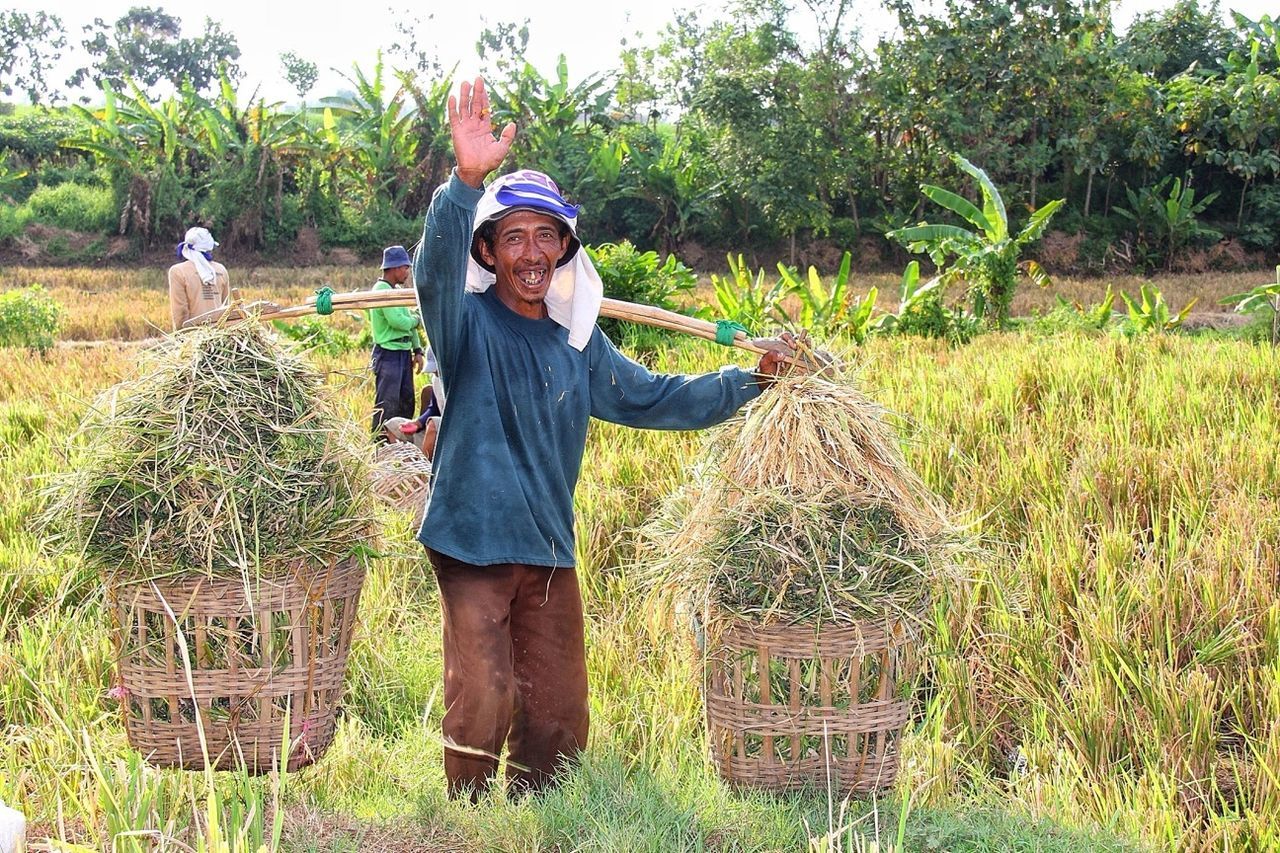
(509, 301)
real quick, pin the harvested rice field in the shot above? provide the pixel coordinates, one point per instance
(1101, 656)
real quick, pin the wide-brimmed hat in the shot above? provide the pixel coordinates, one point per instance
(395, 256)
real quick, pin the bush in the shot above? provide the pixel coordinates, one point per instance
(636, 276)
(368, 233)
(844, 232)
(29, 318)
(1262, 229)
(13, 219)
(319, 335)
(930, 318)
(36, 136)
(1067, 315)
(74, 207)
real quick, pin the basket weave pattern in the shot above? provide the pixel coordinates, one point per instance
(279, 646)
(791, 706)
(402, 476)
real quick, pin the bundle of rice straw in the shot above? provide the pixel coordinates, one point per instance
(803, 510)
(225, 456)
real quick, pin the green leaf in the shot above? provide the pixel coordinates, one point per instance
(922, 291)
(1182, 315)
(928, 233)
(960, 205)
(993, 204)
(910, 279)
(1039, 221)
(1136, 314)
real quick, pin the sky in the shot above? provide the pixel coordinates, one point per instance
(334, 35)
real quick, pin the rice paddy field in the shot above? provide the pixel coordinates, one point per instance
(1104, 674)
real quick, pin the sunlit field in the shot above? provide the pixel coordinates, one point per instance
(132, 305)
(1106, 675)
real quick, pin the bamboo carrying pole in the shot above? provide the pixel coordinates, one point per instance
(364, 300)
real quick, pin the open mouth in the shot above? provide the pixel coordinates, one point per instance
(532, 279)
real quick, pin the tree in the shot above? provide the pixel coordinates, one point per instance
(146, 46)
(779, 113)
(375, 135)
(30, 44)
(999, 81)
(1167, 42)
(406, 46)
(301, 73)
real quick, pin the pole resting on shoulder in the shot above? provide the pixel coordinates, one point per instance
(727, 330)
(324, 301)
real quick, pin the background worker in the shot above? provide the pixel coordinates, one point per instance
(422, 432)
(510, 303)
(397, 346)
(197, 283)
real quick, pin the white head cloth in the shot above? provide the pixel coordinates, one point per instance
(194, 245)
(576, 292)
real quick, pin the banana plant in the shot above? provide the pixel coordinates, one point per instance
(1263, 296)
(985, 256)
(822, 309)
(673, 180)
(252, 150)
(858, 322)
(555, 116)
(378, 136)
(1152, 314)
(434, 149)
(9, 178)
(912, 296)
(140, 143)
(1166, 216)
(746, 299)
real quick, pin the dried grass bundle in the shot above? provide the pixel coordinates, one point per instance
(802, 510)
(809, 436)
(224, 456)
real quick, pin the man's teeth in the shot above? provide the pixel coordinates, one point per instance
(533, 277)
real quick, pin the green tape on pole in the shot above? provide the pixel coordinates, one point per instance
(727, 330)
(324, 301)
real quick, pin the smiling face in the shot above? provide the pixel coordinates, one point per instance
(525, 249)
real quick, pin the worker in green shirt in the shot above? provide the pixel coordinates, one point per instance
(397, 346)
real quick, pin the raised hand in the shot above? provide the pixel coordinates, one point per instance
(476, 149)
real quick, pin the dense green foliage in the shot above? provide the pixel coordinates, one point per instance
(728, 128)
(73, 206)
(29, 318)
(636, 276)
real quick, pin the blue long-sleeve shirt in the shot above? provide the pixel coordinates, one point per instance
(511, 440)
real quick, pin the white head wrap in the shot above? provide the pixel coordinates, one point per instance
(194, 245)
(576, 292)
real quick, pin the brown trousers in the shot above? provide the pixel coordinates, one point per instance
(515, 670)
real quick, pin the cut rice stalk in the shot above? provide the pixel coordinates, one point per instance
(803, 510)
(224, 456)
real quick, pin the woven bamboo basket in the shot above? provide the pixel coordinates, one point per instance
(402, 477)
(793, 706)
(253, 654)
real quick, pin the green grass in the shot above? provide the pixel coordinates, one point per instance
(1109, 669)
